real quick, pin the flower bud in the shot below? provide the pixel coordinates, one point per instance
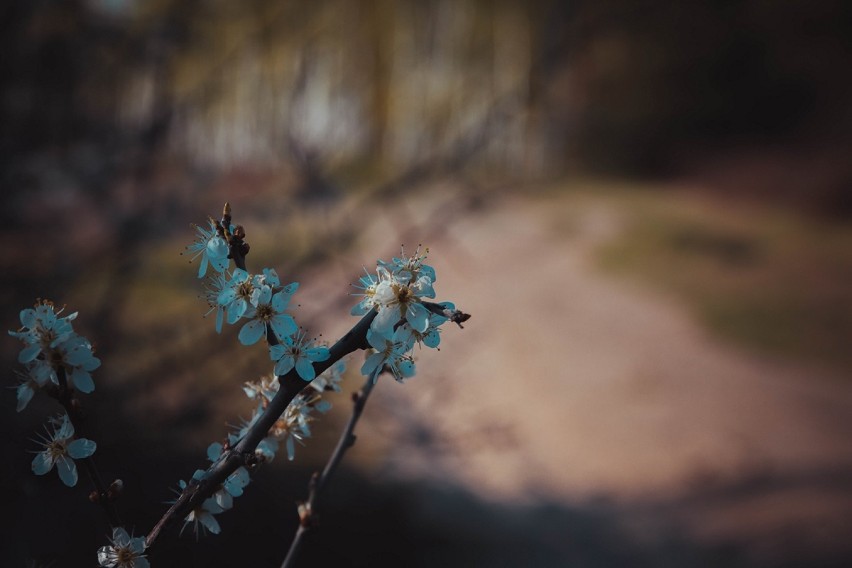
(115, 489)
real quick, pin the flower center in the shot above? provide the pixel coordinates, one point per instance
(245, 289)
(265, 312)
(47, 335)
(281, 426)
(404, 295)
(56, 449)
(124, 554)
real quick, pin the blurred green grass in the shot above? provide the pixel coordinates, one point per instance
(763, 277)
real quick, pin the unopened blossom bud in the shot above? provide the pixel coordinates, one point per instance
(307, 518)
(115, 489)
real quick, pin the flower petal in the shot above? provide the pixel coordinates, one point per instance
(29, 353)
(214, 450)
(360, 308)
(280, 301)
(67, 471)
(219, 318)
(28, 318)
(25, 394)
(210, 522)
(423, 287)
(432, 339)
(202, 266)
(284, 365)
(318, 353)
(376, 340)
(291, 449)
(406, 368)
(120, 536)
(81, 448)
(385, 320)
(237, 481)
(267, 448)
(283, 325)
(137, 545)
(252, 332)
(219, 264)
(418, 316)
(217, 248)
(224, 499)
(276, 352)
(305, 369)
(372, 363)
(82, 380)
(262, 296)
(42, 463)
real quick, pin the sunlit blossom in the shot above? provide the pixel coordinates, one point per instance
(211, 247)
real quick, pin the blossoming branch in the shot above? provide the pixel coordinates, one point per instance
(397, 316)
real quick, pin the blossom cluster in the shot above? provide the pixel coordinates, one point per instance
(402, 321)
(56, 358)
(53, 353)
(294, 424)
(59, 362)
(291, 427)
(259, 298)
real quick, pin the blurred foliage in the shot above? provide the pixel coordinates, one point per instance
(95, 91)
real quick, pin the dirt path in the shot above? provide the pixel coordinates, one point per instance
(569, 385)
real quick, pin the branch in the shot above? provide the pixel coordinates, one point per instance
(243, 452)
(458, 317)
(307, 517)
(102, 494)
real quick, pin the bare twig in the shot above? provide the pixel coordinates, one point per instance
(102, 493)
(307, 509)
(458, 317)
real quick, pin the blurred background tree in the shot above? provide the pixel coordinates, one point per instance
(102, 90)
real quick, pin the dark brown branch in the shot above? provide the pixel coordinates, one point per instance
(243, 452)
(307, 514)
(458, 317)
(238, 248)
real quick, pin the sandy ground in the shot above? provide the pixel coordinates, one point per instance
(570, 386)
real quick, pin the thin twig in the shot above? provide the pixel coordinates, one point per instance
(307, 509)
(458, 317)
(73, 411)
